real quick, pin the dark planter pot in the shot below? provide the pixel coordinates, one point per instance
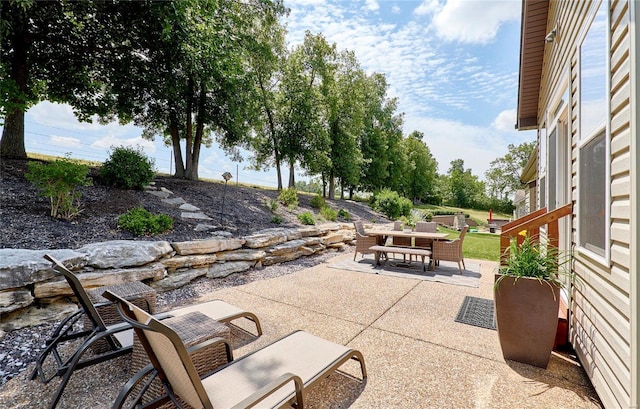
(527, 319)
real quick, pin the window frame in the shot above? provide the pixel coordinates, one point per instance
(585, 139)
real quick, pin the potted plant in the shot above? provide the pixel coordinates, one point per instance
(527, 295)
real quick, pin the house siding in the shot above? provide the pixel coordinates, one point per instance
(601, 322)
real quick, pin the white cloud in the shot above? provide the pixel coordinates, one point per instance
(371, 5)
(505, 121)
(395, 9)
(65, 141)
(107, 142)
(427, 7)
(474, 22)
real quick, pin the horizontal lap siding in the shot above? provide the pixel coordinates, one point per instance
(601, 312)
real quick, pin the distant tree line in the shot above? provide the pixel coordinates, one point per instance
(198, 71)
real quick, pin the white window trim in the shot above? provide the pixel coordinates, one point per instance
(554, 112)
(582, 141)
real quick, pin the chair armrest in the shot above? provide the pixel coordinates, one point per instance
(262, 393)
(211, 342)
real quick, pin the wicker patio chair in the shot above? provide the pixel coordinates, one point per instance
(70, 341)
(425, 227)
(400, 241)
(363, 242)
(271, 377)
(450, 250)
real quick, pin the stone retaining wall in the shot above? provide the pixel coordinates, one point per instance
(32, 293)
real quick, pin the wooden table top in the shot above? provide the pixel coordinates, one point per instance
(402, 233)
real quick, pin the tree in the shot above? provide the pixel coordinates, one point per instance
(421, 168)
(48, 52)
(381, 136)
(345, 123)
(307, 75)
(463, 189)
(503, 175)
(191, 78)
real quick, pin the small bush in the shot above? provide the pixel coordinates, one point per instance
(127, 168)
(271, 204)
(277, 219)
(329, 214)
(344, 214)
(289, 197)
(141, 222)
(58, 180)
(318, 202)
(391, 204)
(306, 218)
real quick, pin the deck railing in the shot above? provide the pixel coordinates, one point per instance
(531, 223)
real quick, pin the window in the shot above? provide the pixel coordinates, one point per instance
(592, 195)
(552, 171)
(593, 154)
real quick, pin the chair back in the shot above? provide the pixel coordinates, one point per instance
(427, 227)
(463, 233)
(397, 225)
(359, 227)
(166, 352)
(79, 292)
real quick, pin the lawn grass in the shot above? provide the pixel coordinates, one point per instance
(479, 216)
(483, 246)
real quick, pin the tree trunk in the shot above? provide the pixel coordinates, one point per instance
(292, 174)
(189, 132)
(192, 173)
(279, 173)
(12, 142)
(324, 186)
(350, 192)
(332, 185)
(175, 143)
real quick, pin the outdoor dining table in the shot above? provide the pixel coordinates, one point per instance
(383, 235)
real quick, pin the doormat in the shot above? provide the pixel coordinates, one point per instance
(477, 311)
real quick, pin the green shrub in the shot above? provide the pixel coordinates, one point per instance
(277, 219)
(318, 202)
(141, 222)
(271, 204)
(127, 168)
(289, 197)
(329, 213)
(391, 204)
(344, 214)
(58, 180)
(307, 218)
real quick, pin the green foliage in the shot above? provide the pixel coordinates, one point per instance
(422, 215)
(329, 213)
(391, 204)
(408, 221)
(127, 168)
(141, 222)
(503, 175)
(307, 218)
(318, 202)
(59, 180)
(342, 213)
(420, 174)
(271, 204)
(277, 219)
(289, 197)
(531, 259)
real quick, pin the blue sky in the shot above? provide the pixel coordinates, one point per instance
(453, 64)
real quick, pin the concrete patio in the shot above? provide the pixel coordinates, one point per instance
(416, 354)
